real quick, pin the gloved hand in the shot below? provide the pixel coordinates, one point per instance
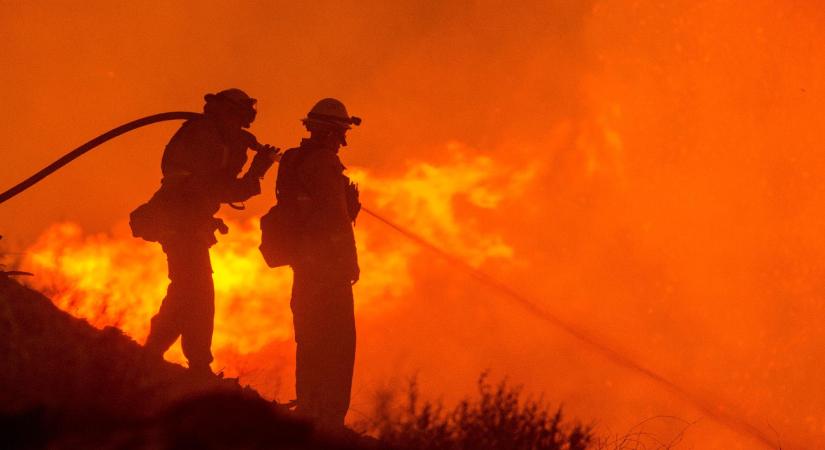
(263, 160)
(220, 225)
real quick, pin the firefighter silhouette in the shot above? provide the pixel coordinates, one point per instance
(317, 205)
(200, 166)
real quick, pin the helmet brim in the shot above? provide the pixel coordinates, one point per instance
(326, 123)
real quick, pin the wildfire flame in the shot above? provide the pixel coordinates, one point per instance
(115, 280)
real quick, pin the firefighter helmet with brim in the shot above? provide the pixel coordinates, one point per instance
(233, 95)
(331, 112)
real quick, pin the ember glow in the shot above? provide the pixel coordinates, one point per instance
(649, 171)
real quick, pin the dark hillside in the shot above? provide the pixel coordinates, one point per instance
(65, 384)
(56, 361)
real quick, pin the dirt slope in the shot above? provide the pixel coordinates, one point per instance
(65, 384)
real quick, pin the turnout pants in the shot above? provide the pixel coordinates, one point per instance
(188, 310)
(324, 320)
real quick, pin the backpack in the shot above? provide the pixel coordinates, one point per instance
(281, 226)
(152, 220)
(145, 224)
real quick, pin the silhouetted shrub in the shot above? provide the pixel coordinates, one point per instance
(498, 419)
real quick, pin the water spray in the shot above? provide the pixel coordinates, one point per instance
(618, 358)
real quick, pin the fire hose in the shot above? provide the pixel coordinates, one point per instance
(111, 134)
(706, 406)
(79, 151)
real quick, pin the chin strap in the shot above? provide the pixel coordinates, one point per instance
(74, 154)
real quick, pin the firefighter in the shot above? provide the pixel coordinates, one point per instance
(200, 166)
(324, 204)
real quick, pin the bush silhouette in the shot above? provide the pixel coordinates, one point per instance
(499, 418)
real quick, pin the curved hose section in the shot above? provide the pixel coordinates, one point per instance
(74, 154)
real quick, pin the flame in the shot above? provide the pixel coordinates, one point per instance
(111, 279)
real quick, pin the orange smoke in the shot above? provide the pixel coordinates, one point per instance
(650, 171)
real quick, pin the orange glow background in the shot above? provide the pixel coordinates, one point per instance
(651, 171)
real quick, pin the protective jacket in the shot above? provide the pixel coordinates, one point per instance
(200, 168)
(324, 266)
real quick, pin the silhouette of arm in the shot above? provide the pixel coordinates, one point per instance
(211, 167)
(240, 189)
(237, 189)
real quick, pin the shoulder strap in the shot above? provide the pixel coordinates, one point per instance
(288, 173)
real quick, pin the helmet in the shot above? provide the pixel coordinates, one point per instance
(330, 112)
(233, 95)
(235, 101)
